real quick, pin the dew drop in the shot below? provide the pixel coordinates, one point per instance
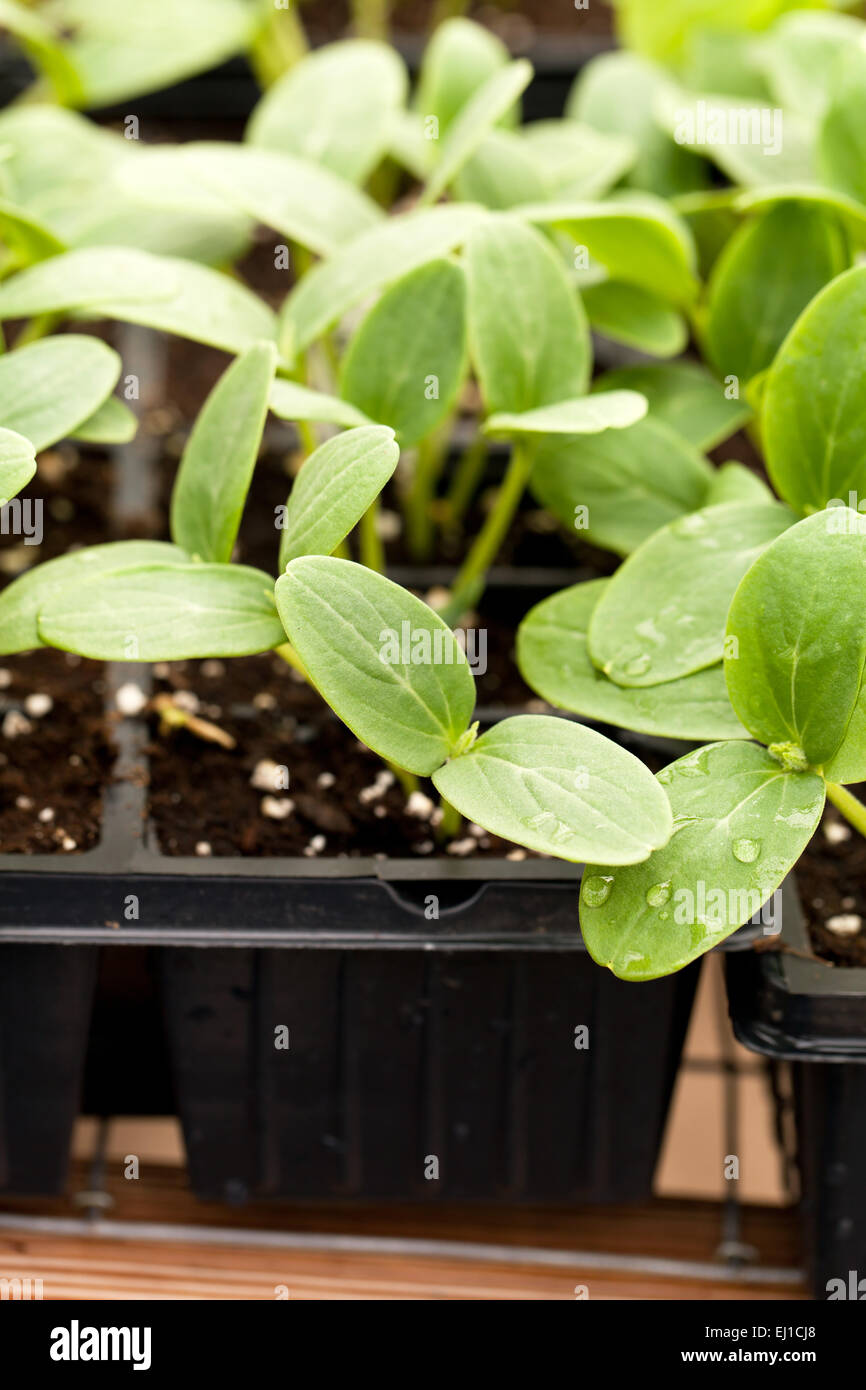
(689, 525)
(747, 851)
(638, 665)
(659, 894)
(596, 890)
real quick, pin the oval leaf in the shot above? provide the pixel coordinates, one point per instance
(218, 461)
(740, 825)
(376, 258)
(663, 614)
(111, 423)
(798, 622)
(17, 464)
(49, 388)
(618, 487)
(684, 396)
(334, 107)
(814, 404)
(459, 58)
(412, 340)
(21, 601)
(631, 315)
(333, 490)
(164, 613)
(292, 401)
(530, 346)
(554, 660)
(384, 661)
(487, 105)
(558, 788)
(606, 410)
(766, 275)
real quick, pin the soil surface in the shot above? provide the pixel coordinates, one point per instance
(340, 799)
(831, 878)
(54, 760)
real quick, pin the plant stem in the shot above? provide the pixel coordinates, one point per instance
(36, 328)
(370, 18)
(470, 579)
(372, 549)
(853, 810)
(408, 781)
(429, 463)
(287, 653)
(451, 823)
(467, 475)
(279, 43)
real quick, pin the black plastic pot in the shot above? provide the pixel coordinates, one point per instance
(814, 1016)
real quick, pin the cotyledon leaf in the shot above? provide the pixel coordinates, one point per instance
(663, 613)
(554, 661)
(559, 788)
(384, 661)
(634, 316)
(684, 396)
(164, 613)
(17, 464)
(619, 486)
(797, 637)
(604, 410)
(111, 423)
(487, 105)
(21, 600)
(740, 823)
(333, 490)
(50, 387)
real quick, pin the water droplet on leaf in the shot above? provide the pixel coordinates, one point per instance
(746, 851)
(596, 890)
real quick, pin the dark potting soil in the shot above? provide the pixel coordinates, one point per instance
(55, 759)
(341, 799)
(831, 878)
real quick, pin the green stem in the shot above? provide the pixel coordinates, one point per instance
(429, 462)
(853, 810)
(470, 580)
(370, 18)
(372, 549)
(468, 473)
(408, 781)
(280, 42)
(36, 328)
(287, 653)
(451, 823)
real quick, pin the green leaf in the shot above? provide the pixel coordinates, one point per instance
(684, 396)
(487, 106)
(122, 51)
(292, 401)
(617, 93)
(373, 259)
(619, 487)
(767, 274)
(459, 58)
(164, 613)
(554, 661)
(575, 160)
(802, 57)
(559, 788)
(111, 423)
(752, 143)
(733, 482)
(740, 825)
(631, 315)
(384, 661)
(502, 173)
(665, 31)
(849, 212)
(162, 292)
(663, 614)
(334, 107)
(17, 464)
(301, 200)
(218, 461)
(530, 346)
(711, 216)
(49, 388)
(605, 410)
(841, 137)
(814, 406)
(28, 239)
(407, 359)
(638, 239)
(795, 665)
(333, 490)
(21, 600)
